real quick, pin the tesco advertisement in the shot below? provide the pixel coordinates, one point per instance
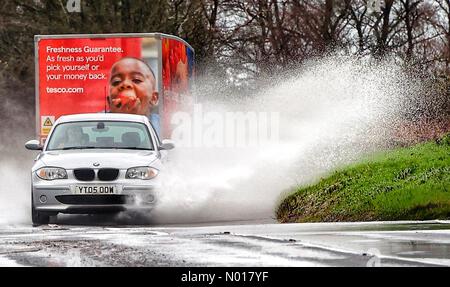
(139, 74)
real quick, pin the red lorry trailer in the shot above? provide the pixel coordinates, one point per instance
(73, 75)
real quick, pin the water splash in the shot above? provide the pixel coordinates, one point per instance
(332, 111)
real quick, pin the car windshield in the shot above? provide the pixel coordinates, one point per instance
(100, 135)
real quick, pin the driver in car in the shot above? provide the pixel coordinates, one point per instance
(73, 137)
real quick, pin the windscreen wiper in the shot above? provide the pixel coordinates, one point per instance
(78, 147)
(134, 147)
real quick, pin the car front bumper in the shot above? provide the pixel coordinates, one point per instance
(58, 196)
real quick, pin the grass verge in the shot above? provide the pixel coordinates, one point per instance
(404, 184)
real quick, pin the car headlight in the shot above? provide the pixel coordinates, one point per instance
(51, 173)
(143, 172)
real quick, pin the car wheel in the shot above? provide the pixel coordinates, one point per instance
(136, 217)
(38, 218)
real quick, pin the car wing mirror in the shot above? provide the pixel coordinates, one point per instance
(33, 145)
(167, 145)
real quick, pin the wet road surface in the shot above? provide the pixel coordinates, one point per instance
(260, 243)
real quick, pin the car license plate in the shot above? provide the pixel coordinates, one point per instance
(95, 189)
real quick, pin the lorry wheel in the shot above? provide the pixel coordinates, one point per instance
(39, 218)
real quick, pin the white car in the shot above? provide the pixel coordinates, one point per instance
(91, 163)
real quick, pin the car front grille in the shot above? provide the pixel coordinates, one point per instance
(94, 199)
(88, 174)
(107, 174)
(84, 174)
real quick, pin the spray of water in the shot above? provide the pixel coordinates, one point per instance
(14, 194)
(15, 162)
(331, 112)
